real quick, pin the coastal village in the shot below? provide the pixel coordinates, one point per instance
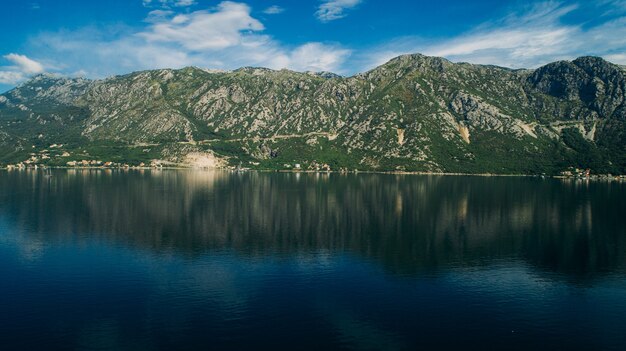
(577, 173)
(33, 163)
(55, 156)
(39, 163)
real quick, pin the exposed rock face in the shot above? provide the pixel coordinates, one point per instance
(412, 113)
(591, 81)
(400, 136)
(205, 160)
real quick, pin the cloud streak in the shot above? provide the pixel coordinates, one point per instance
(24, 64)
(22, 68)
(168, 3)
(331, 10)
(274, 10)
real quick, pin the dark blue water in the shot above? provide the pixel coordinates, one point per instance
(111, 260)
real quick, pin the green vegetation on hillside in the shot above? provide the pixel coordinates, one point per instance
(415, 113)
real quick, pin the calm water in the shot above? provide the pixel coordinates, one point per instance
(208, 260)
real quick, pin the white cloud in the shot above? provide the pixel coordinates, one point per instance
(224, 37)
(11, 77)
(22, 68)
(24, 64)
(158, 15)
(617, 58)
(317, 57)
(168, 3)
(202, 30)
(273, 10)
(534, 38)
(331, 10)
(184, 3)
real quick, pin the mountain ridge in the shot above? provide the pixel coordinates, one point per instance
(413, 113)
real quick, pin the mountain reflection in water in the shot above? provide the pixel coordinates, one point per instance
(407, 224)
(174, 260)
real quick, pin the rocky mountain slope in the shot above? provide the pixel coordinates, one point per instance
(414, 113)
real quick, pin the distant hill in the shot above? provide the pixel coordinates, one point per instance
(414, 113)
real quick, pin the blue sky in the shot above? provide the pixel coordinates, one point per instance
(102, 38)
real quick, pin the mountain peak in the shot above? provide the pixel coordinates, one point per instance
(255, 71)
(590, 60)
(47, 79)
(324, 74)
(407, 63)
(419, 58)
(598, 67)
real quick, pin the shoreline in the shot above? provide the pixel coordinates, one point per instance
(457, 174)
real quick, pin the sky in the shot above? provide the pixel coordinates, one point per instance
(99, 38)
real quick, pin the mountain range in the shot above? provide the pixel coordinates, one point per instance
(414, 113)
